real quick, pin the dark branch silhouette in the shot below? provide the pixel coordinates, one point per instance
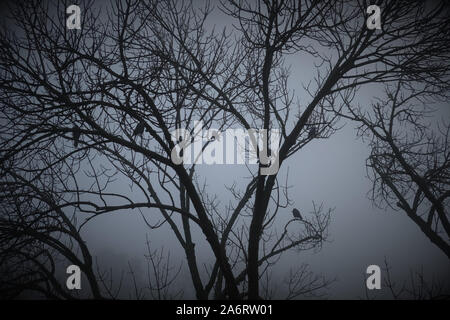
(74, 101)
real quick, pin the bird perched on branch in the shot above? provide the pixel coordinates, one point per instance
(76, 133)
(312, 132)
(297, 214)
(139, 130)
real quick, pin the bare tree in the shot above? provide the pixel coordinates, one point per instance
(84, 109)
(280, 27)
(37, 235)
(160, 276)
(409, 163)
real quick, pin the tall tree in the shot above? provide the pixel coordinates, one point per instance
(159, 64)
(409, 163)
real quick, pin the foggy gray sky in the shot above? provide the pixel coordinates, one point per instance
(331, 171)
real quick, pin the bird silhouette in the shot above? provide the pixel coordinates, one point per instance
(297, 214)
(312, 132)
(76, 133)
(139, 130)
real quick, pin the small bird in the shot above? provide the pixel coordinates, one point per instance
(139, 130)
(297, 214)
(76, 135)
(312, 132)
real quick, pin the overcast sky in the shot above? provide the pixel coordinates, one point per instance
(331, 171)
